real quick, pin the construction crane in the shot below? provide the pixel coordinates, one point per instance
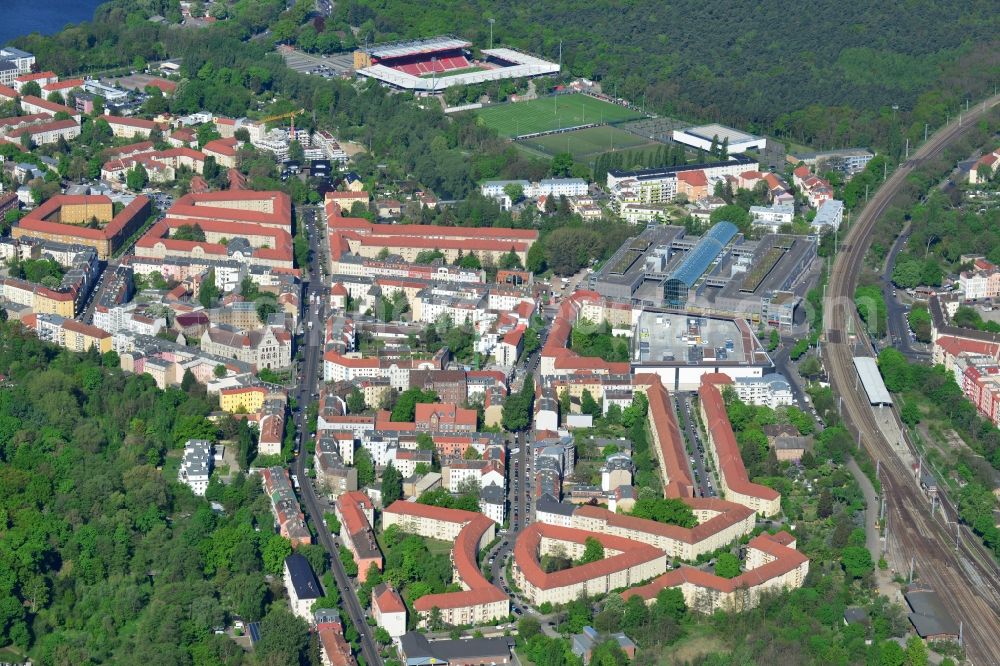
(290, 114)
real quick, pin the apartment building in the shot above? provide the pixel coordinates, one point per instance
(733, 480)
(389, 610)
(285, 506)
(625, 564)
(479, 601)
(772, 565)
(242, 399)
(356, 514)
(772, 390)
(302, 585)
(196, 465)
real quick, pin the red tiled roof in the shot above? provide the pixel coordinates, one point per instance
(85, 329)
(349, 362)
(786, 559)
(47, 105)
(162, 84)
(35, 76)
(35, 220)
(954, 346)
(696, 178)
(53, 126)
(351, 504)
(631, 553)
(556, 344)
(388, 601)
(8, 92)
(130, 122)
(464, 556)
(225, 147)
(62, 85)
(721, 432)
(672, 451)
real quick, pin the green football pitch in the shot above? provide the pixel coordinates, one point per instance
(586, 144)
(552, 113)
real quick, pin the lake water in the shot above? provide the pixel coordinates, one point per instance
(20, 17)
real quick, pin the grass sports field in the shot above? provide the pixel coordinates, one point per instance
(586, 144)
(551, 113)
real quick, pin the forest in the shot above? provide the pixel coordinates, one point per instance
(104, 557)
(829, 76)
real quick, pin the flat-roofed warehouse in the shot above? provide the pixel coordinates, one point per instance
(702, 137)
(871, 380)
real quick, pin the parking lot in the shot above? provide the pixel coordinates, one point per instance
(329, 66)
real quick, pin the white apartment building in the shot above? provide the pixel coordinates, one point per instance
(829, 215)
(196, 465)
(772, 217)
(772, 390)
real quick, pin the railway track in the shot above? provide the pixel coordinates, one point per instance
(963, 573)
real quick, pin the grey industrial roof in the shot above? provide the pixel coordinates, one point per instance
(871, 379)
(549, 504)
(492, 494)
(715, 130)
(415, 645)
(929, 617)
(704, 253)
(303, 579)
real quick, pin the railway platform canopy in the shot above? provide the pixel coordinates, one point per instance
(871, 380)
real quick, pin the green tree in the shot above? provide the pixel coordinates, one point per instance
(588, 405)
(208, 292)
(405, 408)
(356, 401)
(190, 232)
(136, 178)
(284, 638)
(264, 311)
(916, 652)
(515, 191)
(274, 551)
(220, 371)
(188, 381)
(471, 454)
(510, 261)
(562, 164)
(910, 413)
(593, 551)
(895, 370)
(31, 89)
(110, 359)
(774, 340)
(857, 561)
(392, 485)
(727, 566)
(365, 466)
(517, 409)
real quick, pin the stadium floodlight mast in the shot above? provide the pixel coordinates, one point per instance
(492, 21)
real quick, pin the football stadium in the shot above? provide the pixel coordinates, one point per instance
(431, 65)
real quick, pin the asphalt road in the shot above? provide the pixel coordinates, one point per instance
(896, 311)
(964, 574)
(701, 474)
(307, 388)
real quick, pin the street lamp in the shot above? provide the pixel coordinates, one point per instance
(492, 21)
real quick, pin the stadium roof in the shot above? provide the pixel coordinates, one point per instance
(704, 253)
(416, 47)
(522, 65)
(871, 379)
